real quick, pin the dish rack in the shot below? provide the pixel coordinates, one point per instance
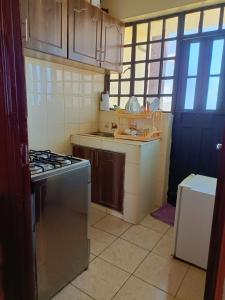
(144, 126)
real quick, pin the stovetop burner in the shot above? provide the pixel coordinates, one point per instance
(43, 161)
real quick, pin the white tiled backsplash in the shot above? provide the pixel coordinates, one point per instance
(61, 101)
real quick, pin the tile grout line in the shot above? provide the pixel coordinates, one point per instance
(182, 281)
(83, 292)
(164, 234)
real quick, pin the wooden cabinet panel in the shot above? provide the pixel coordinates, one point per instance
(91, 155)
(111, 172)
(44, 25)
(112, 43)
(84, 32)
(107, 175)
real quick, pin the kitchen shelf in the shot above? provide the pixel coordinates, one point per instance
(147, 122)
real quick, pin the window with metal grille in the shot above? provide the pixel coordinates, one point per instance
(151, 55)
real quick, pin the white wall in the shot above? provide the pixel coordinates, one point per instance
(61, 101)
(132, 9)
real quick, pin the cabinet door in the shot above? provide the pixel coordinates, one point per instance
(111, 172)
(84, 32)
(112, 43)
(91, 155)
(44, 25)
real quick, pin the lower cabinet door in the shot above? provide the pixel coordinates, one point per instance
(91, 155)
(111, 173)
(107, 175)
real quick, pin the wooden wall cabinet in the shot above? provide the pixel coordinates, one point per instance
(107, 175)
(112, 43)
(44, 26)
(94, 37)
(84, 32)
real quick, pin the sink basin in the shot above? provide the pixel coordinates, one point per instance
(103, 134)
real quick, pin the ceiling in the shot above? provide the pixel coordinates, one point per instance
(129, 10)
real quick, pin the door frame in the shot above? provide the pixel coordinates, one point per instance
(17, 273)
(216, 264)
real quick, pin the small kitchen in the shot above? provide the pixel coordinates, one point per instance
(119, 146)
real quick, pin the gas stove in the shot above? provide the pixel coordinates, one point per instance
(43, 161)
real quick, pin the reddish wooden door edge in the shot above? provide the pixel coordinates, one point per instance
(216, 264)
(17, 266)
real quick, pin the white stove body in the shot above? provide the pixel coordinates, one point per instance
(193, 222)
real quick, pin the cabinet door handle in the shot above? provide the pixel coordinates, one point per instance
(80, 10)
(26, 29)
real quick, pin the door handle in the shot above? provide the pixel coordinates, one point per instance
(26, 29)
(219, 146)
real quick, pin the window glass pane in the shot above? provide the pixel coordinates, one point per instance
(213, 90)
(123, 102)
(153, 69)
(140, 100)
(211, 19)
(217, 54)
(126, 72)
(170, 48)
(114, 76)
(168, 67)
(167, 86)
(128, 35)
(153, 87)
(114, 85)
(192, 23)
(171, 27)
(190, 93)
(142, 32)
(140, 70)
(125, 87)
(155, 50)
(113, 101)
(156, 28)
(127, 54)
(166, 103)
(141, 52)
(193, 59)
(139, 87)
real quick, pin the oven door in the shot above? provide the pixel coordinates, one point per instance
(62, 247)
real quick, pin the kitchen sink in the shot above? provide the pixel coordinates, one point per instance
(103, 134)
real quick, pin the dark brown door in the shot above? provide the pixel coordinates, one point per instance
(91, 155)
(112, 43)
(111, 172)
(84, 32)
(16, 251)
(215, 280)
(44, 26)
(199, 114)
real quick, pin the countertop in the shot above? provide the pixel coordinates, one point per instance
(111, 139)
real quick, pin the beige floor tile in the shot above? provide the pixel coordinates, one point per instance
(113, 225)
(95, 215)
(162, 272)
(124, 255)
(136, 289)
(71, 293)
(155, 224)
(170, 233)
(164, 247)
(99, 240)
(142, 236)
(92, 257)
(102, 280)
(193, 285)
